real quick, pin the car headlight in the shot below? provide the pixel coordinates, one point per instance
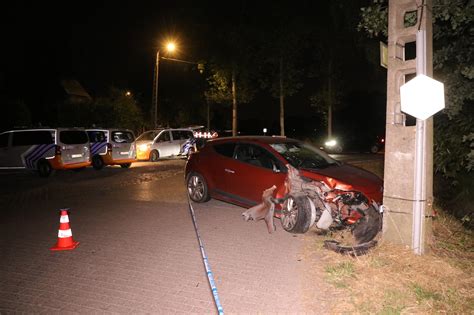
(143, 147)
(330, 143)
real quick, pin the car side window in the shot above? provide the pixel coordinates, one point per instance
(257, 156)
(186, 135)
(165, 136)
(31, 138)
(176, 134)
(225, 149)
(4, 140)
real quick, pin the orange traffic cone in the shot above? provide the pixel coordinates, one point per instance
(65, 240)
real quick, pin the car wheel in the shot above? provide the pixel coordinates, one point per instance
(338, 149)
(44, 168)
(125, 165)
(374, 149)
(367, 228)
(296, 214)
(154, 156)
(97, 162)
(197, 188)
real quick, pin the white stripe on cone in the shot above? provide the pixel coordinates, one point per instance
(64, 219)
(64, 233)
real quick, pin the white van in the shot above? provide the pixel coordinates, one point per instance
(112, 147)
(44, 150)
(159, 143)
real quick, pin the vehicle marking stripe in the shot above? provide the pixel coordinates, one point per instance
(210, 276)
(97, 146)
(36, 153)
(31, 154)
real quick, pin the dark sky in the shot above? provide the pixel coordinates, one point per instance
(105, 43)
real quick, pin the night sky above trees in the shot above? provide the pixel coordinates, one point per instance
(113, 44)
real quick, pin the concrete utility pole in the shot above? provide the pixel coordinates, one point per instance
(408, 191)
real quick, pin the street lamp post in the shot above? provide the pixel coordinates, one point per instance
(170, 47)
(155, 90)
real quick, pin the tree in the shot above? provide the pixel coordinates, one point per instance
(116, 110)
(453, 65)
(15, 114)
(280, 63)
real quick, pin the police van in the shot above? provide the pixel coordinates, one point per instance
(164, 143)
(44, 150)
(111, 147)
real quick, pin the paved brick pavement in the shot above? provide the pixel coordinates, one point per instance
(139, 255)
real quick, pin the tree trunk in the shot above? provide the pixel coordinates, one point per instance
(234, 105)
(282, 101)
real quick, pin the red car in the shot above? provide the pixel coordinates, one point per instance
(239, 169)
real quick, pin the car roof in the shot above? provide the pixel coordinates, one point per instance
(260, 139)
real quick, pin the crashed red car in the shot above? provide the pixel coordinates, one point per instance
(239, 169)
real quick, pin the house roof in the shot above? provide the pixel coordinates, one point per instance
(74, 88)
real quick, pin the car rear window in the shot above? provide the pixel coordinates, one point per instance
(32, 137)
(96, 136)
(73, 137)
(225, 149)
(122, 137)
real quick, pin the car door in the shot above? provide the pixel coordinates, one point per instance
(252, 170)
(123, 144)
(98, 141)
(218, 163)
(75, 146)
(30, 146)
(177, 140)
(164, 144)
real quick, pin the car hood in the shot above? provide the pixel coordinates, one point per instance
(348, 177)
(143, 142)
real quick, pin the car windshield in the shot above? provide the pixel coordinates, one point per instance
(149, 135)
(302, 155)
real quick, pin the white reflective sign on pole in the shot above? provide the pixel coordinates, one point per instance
(422, 97)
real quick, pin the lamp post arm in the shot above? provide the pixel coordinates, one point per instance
(179, 60)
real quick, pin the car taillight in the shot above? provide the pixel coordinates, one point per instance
(57, 150)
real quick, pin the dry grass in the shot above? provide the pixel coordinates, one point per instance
(392, 280)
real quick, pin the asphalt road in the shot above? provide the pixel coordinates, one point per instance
(138, 250)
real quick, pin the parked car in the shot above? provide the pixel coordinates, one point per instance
(160, 143)
(45, 150)
(354, 143)
(378, 145)
(112, 147)
(239, 169)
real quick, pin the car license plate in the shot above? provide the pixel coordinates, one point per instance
(75, 156)
(124, 153)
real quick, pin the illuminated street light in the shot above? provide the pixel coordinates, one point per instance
(170, 47)
(128, 93)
